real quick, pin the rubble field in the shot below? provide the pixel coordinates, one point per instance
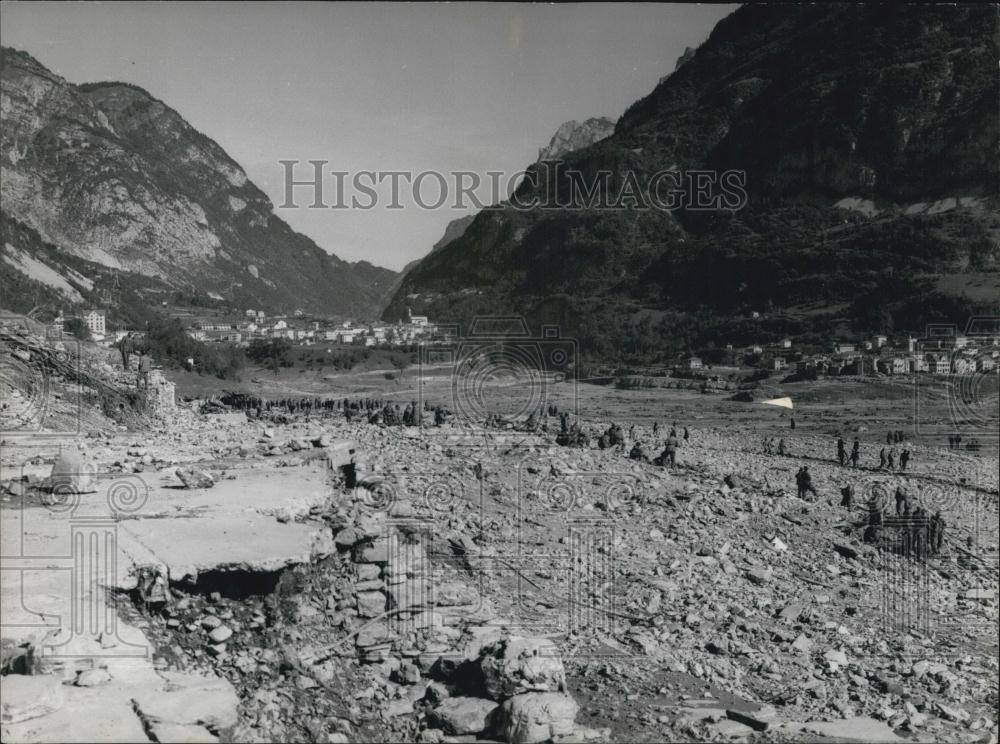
(301, 577)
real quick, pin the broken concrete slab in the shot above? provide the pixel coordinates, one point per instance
(24, 697)
(859, 729)
(190, 699)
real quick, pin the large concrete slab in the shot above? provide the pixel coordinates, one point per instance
(59, 563)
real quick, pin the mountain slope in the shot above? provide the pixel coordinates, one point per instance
(869, 139)
(111, 175)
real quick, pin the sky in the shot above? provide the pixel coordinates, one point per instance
(370, 87)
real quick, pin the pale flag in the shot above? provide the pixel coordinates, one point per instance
(782, 402)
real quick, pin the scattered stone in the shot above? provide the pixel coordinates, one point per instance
(464, 715)
(221, 634)
(517, 665)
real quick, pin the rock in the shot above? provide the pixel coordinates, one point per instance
(347, 538)
(952, 714)
(719, 647)
(979, 593)
(791, 612)
(727, 729)
(220, 634)
(72, 473)
(371, 604)
(193, 478)
(373, 552)
(92, 678)
(210, 622)
(759, 576)
(758, 720)
(802, 643)
(536, 717)
(836, 656)
(464, 715)
(517, 665)
(25, 697)
(408, 674)
(846, 550)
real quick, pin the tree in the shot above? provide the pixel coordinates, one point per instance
(400, 362)
(78, 328)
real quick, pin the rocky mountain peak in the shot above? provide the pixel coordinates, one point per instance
(574, 135)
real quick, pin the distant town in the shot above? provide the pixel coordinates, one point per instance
(942, 351)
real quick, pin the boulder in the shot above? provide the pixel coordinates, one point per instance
(536, 717)
(72, 473)
(193, 478)
(371, 604)
(464, 715)
(517, 665)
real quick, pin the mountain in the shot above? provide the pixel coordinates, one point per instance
(573, 135)
(570, 136)
(868, 136)
(116, 182)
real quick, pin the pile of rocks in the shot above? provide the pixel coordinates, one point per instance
(479, 681)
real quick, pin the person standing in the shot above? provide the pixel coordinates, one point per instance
(855, 452)
(144, 367)
(904, 458)
(125, 347)
(841, 451)
(671, 450)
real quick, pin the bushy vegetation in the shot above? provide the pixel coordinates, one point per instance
(168, 343)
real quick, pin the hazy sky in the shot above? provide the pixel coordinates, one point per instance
(449, 87)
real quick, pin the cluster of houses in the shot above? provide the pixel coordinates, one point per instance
(304, 331)
(951, 354)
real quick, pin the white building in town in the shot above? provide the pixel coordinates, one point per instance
(95, 321)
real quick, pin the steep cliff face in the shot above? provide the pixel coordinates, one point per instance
(868, 137)
(574, 135)
(111, 175)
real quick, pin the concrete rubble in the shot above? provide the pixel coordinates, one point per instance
(319, 580)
